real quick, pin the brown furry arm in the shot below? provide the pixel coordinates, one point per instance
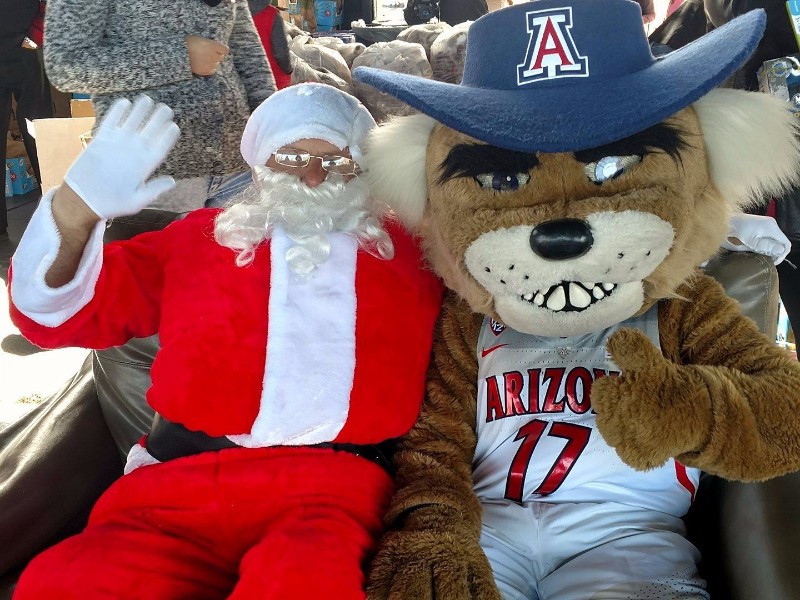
(432, 546)
(434, 461)
(751, 395)
(718, 395)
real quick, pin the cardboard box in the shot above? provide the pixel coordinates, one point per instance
(283, 8)
(19, 181)
(81, 108)
(14, 146)
(58, 143)
(60, 103)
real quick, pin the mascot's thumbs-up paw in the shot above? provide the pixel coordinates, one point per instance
(655, 409)
(428, 563)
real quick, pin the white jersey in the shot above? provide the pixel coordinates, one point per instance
(537, 437)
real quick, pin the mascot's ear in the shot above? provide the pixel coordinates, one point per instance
(752, 144)
(395, 166)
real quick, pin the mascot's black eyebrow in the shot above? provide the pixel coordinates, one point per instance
(660, 137)
(471, 160)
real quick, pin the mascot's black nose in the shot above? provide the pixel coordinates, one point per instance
(561, 239)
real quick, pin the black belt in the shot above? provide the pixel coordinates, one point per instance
(168, 441)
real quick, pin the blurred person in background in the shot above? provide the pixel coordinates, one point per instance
(695, 17)
(203, 58)
(451, 12)
(648, 10)
(454, 12)
(270, 27)
(686, 22)
(21, 78)
(778, 37)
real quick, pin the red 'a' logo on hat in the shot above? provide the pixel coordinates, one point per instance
(551, 50)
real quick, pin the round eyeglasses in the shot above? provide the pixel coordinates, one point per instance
(332, 163)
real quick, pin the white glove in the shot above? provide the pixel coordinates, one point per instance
(130, 143)
(754, 233)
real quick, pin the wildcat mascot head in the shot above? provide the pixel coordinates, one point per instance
(572, 179)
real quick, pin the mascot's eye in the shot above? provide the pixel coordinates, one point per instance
(502, 182)
(610, 167)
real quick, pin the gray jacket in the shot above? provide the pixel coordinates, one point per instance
(113, 48)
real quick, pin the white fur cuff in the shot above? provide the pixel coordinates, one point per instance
(35, 255)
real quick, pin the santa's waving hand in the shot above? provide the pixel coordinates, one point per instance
(111, 175)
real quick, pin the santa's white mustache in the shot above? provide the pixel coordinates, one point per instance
(306, 214)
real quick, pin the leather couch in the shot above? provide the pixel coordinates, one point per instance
(58, 459)
(748, 533)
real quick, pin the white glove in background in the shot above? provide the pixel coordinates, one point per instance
(130, 143)
(759, 234)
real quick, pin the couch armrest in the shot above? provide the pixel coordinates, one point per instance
(760, 535)
(748, 533)
(752, 280)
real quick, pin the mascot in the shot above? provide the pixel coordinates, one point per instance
(584, 370)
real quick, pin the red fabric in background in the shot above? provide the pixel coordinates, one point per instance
(673, 6)
(264, 22)
(36, 32)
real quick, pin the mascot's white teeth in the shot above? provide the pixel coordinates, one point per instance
(570, 296)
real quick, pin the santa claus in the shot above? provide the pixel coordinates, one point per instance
(295, 325)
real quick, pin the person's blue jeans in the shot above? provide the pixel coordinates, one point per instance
(221, 188)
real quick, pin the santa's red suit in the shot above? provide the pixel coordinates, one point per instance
(274, 517)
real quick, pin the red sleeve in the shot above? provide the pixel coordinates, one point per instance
(36, 31)
(126, 300)
(266, 21)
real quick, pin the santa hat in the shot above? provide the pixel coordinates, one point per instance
(305, 111)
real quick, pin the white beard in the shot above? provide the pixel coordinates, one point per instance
(305, 214)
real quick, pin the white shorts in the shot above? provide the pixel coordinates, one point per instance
(589, 551)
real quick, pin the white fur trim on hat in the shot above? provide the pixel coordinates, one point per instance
(305, 111)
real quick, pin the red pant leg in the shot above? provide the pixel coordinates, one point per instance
(116, 562)
(315, 549)
(181, 530)
(316, 553)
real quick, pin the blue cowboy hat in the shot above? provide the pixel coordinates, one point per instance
(561, 75)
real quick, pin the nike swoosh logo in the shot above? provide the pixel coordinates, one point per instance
(487, 351)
